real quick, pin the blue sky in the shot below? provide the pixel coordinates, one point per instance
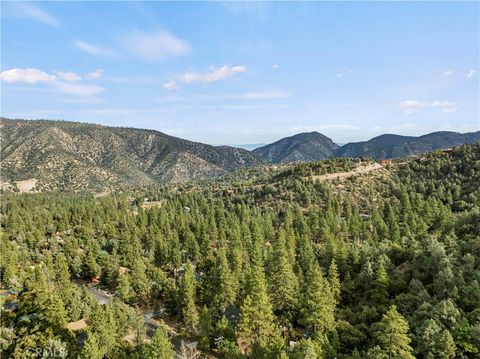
(238, 73)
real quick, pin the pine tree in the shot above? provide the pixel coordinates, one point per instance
(91, 349)
(334, 281)
(205, 329)
(160, 345)
(318, 304)
(123, 291)
(139, 281)
(187, 297)
(435, 341)
(224, 292)
(257, 328)
(283, 284)
(392, 336)
(379, 292)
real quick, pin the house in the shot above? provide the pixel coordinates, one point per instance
(385, 162)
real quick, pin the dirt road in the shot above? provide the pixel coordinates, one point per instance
(357, 171)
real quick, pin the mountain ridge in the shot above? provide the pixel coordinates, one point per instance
(388, 146)
(75, 155)
(48, 154)
(305, 146)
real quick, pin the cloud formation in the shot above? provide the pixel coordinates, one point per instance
(448, 72)
(66, 82)
(471, 73)
(36, 13)
(95, 74)
(171, 85)
(68, 76)
(445, 106)
(159, 45)
(78, 89)
(213, 74)
(93, 49)
(413, 106)
(29, 76)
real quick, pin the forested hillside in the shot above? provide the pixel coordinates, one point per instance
(61, 155)
(276, 262)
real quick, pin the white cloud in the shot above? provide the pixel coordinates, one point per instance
(412, 106)
(93, 49)
(155, 46)
(95, 74)
(471, 73)
(36, 13)
(445, 106)
(275, 66)
(448, 72)
(213, 74)
(78, 89)
(171, 85)
(264, 95)
(339, 75)
(68, 76)
(29, 75)
(257, 95)
(62, 81)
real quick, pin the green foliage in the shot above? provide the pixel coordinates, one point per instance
(271, 255)
(392, 337)
(160, 345)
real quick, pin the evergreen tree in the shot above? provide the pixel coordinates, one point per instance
(283, 284)
(160, 345)
(435, 342)
(91, 349)
(334, 281)
(257, 328)
(187, 298)
(318, 304)
(392, 336)
(224, 292)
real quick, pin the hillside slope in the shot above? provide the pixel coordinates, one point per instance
(311, 146)
(394, 146)
(73, 156)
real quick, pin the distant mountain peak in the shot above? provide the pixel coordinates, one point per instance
(306, 146)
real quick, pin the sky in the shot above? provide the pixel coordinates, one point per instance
(245, 72)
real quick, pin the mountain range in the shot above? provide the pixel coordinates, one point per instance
(80, 156)
(71, 155)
